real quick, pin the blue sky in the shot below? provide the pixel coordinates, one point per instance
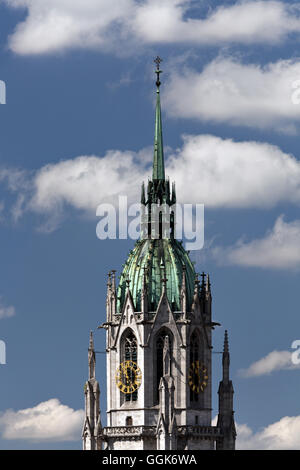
(80, 83)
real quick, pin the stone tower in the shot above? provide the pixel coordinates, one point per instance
(92, 429)
(159, 341)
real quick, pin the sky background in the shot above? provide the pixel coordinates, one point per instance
(77, 129)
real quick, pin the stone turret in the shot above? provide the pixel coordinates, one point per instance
(226, 413)
(92, 429)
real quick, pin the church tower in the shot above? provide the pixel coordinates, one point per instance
(159, 340)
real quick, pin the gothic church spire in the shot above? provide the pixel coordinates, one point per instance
(158, 160)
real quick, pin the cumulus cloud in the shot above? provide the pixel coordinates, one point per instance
(81, 183)
(278, 249)
(228, 91)
(226, 173)
(244, 22)
(55, 25)
(85, 181)
(222, 173)
(47, 421)
(6, 311)
(281, 435)
(274, 361)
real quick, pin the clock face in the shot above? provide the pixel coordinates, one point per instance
(128, 377)
(198, 376)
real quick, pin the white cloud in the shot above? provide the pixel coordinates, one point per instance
(281, 435)
(244, 22)
(279, 249)
(222, 173)
(225, 173)
(6, 311)
(47, 421)
(232, 174)
(274, 361)
(55, 25)
(227, 91)
(84, 183)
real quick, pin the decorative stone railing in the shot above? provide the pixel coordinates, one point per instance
(203, 431)
(129, 431)
(194, 431)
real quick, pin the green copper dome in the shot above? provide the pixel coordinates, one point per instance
(155, 262)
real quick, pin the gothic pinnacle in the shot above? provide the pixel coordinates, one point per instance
(196, 285)
(91, 345)
(207, 284)
(91, 357)
(113, 275)
(226, 345)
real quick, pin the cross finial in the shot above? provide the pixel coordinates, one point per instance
(158, 61)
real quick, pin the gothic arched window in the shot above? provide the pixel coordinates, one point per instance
(129, 353)
(160, 342)
(194, 356)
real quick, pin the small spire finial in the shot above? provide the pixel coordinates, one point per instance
(92, 357)
(226, 345)
(91, 345)
(113, 279)
(208, 283)
(158, 61)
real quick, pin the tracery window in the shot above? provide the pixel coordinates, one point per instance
(194, 356)
(159, 358)
(130, 354)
